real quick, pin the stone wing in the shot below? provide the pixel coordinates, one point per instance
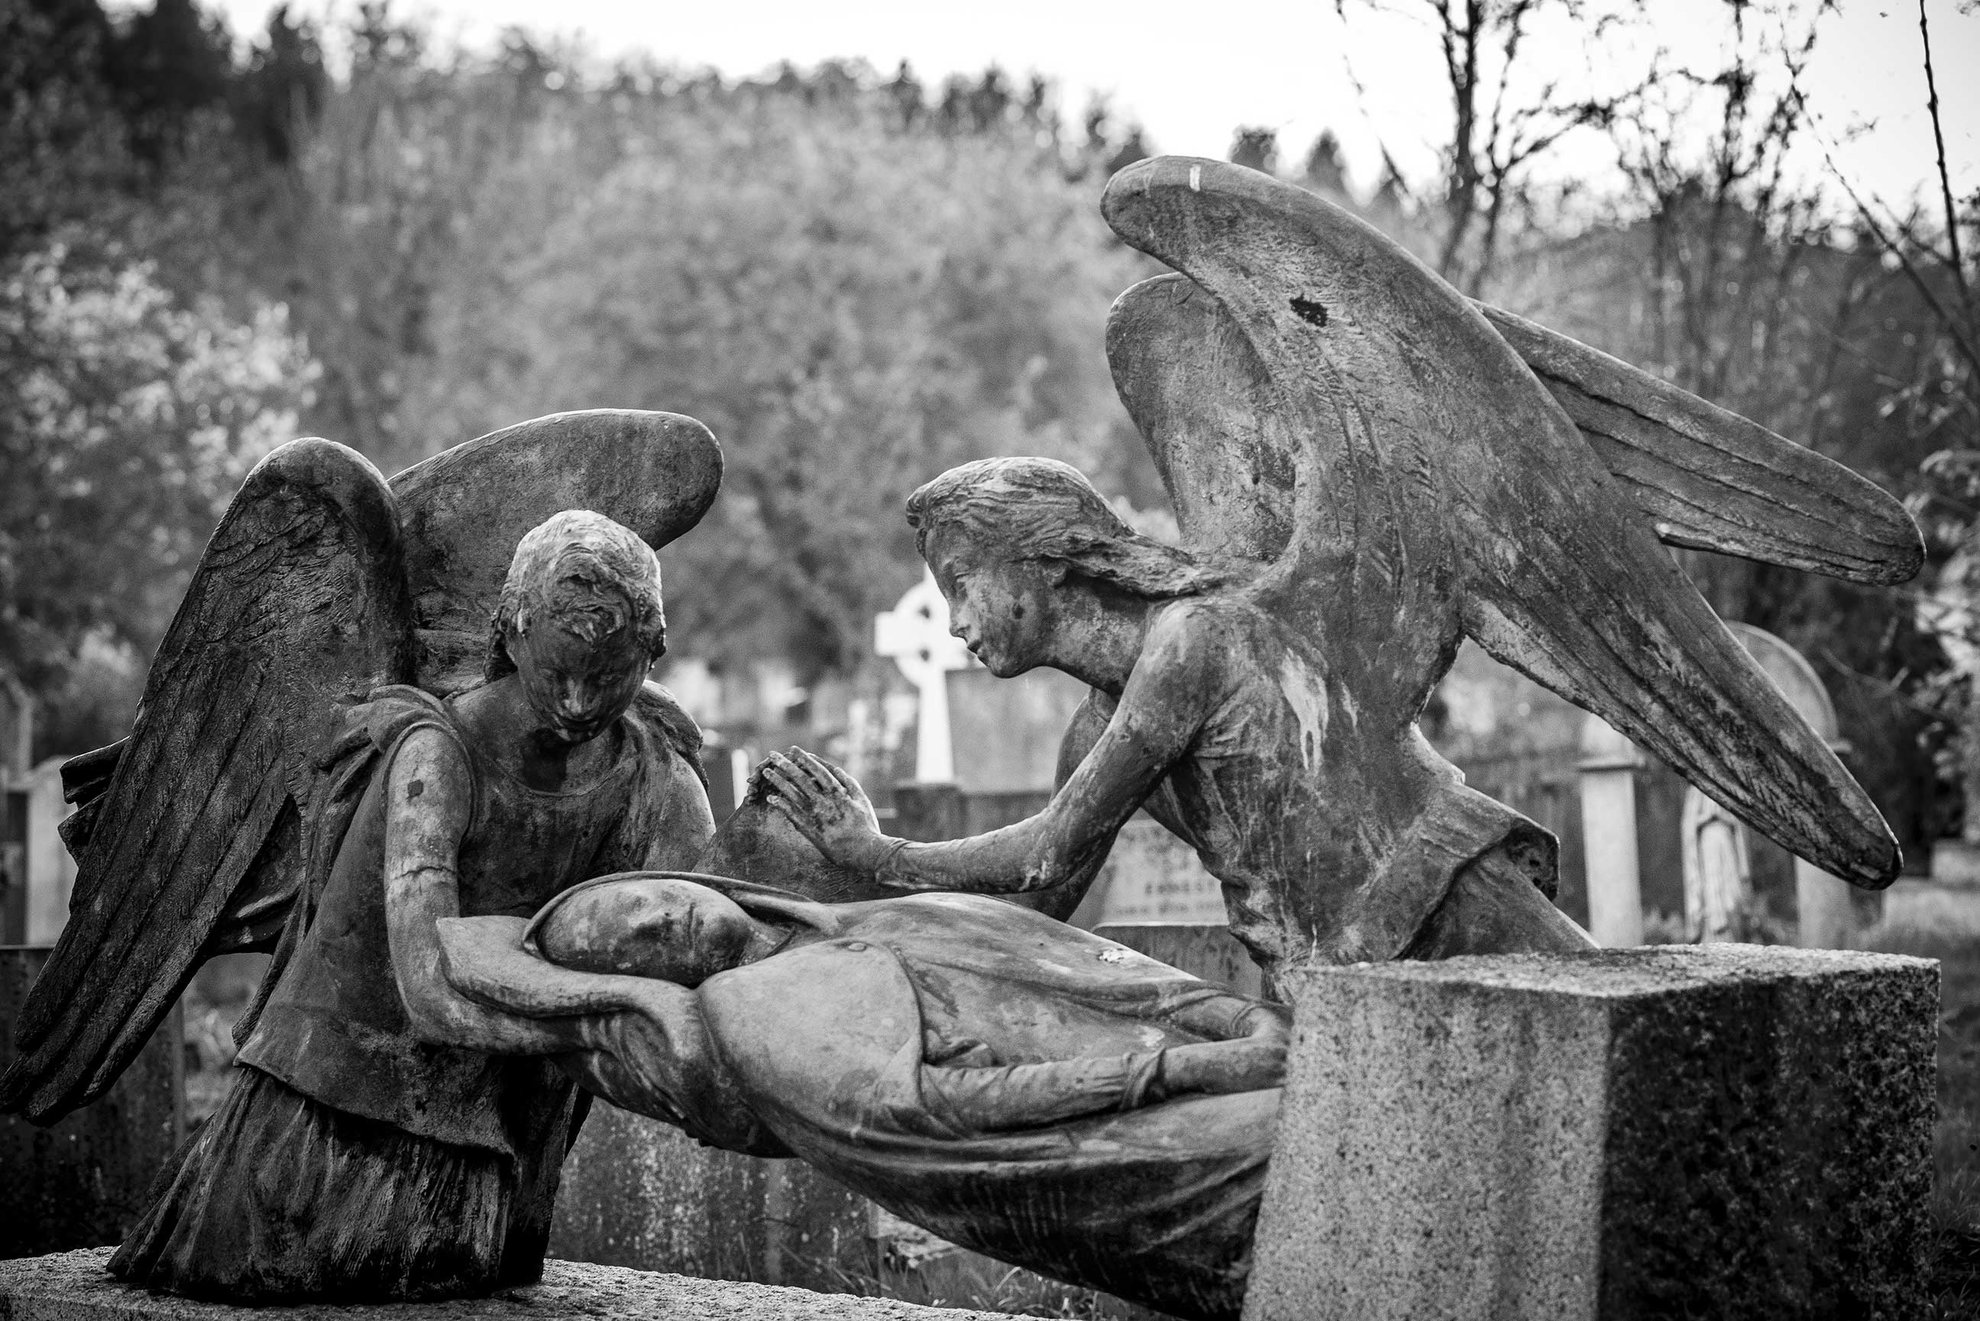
(1436, 489)
(191, 847)
(465, 509)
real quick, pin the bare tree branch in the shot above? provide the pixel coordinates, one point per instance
(1945, 180)
(1960, 333)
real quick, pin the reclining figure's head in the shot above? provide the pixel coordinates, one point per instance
(645, 926)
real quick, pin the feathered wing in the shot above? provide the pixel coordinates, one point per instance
(465, 509)
(1708, 479)
(1713, 480)
(1439, 488)
(298, 603)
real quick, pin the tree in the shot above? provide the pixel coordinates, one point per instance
(850, 306)
(1324, 171)
(280, 93)
(127, 421)
(1502, 121)
(63, 156)
(1725, 272)
(1939, 400)
(1256, 148)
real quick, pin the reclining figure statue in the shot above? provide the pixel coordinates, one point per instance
(1008, 1082)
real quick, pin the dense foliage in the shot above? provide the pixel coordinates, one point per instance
(855, 280)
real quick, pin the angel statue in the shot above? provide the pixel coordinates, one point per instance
(1367, 469)
(380, 705)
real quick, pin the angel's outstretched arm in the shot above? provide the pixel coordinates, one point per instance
(428, 798)
(1172, 691)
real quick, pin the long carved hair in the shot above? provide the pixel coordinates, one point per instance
(586, 573)
(1041, 509)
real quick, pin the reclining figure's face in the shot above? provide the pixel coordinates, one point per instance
(647, 926)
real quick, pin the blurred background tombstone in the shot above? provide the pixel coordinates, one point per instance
(1608, 768)
(1521, 744)
(1718, 871)
(83, 1181)
(915, 636)
(1830, 913)
(1720, 903)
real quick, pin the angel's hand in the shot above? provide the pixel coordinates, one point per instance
(828, 808)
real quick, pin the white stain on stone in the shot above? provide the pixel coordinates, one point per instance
(1196, 178)
(1309, 706)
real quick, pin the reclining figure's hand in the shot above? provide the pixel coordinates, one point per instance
(1246, 1063)
(828, 808)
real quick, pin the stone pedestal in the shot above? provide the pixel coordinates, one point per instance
(1731, 1132)
(74, 1287)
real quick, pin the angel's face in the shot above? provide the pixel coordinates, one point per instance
(578, 688)
(998, 606)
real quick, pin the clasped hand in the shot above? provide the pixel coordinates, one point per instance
(828, 808)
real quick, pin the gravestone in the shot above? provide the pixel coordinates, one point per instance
(1714, 846)
(1827, 907)
(85, 1179)
(51, 872)
(1608, 766)
(998, 762)
(915, 636)
(1005, 733)
(1152, 877)
(1717, 845)
(1729, 1131)
(1718, 871)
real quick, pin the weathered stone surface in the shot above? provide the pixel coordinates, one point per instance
(86, 1178)
(73, 1287)
(1207, 950)
(642, 1194)
(1726, 1131)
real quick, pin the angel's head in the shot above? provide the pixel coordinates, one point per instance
(580, 622)
(1009, 540)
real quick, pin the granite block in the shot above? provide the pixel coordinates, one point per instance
(1718, 1131)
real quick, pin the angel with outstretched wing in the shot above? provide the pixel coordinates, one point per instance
(380, 705)
(1367, 470)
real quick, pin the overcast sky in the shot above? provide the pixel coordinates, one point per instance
(1287, 64)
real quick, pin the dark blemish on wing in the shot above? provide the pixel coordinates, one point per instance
(416, 788)
(1314, 314)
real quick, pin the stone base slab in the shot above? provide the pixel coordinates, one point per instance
(1726, 1131)
(73, 1286)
